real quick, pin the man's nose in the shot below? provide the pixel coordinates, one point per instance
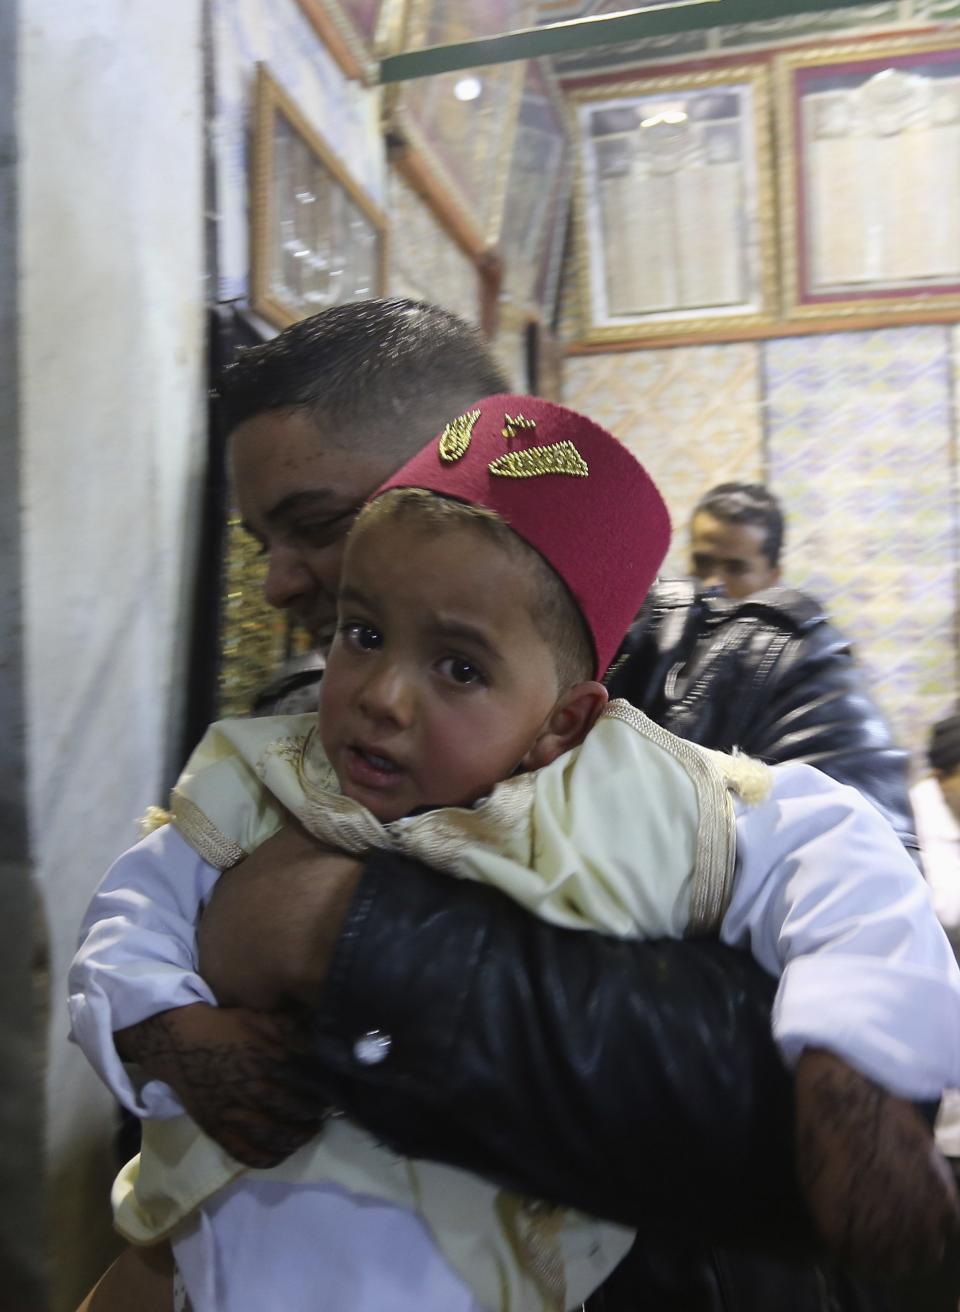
(288, 577)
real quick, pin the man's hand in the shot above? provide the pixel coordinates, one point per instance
(881, 1195)
(267, 938)
(237, 1074)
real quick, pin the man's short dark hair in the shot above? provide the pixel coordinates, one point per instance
(944, 751)
(365, 371)
(747, 503)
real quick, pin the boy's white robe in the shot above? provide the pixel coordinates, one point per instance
(633, 833)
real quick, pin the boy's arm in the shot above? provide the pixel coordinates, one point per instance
(868, 1008)
(151, 1027)
(826, 896)
(637, 1081)
(137, 958)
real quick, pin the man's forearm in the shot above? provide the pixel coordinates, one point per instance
(635, 1081)
(149, 1045)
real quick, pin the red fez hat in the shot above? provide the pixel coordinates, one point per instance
(570, 490)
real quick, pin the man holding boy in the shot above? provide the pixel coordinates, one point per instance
(433, 1002)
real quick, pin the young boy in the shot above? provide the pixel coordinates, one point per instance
(485, 591)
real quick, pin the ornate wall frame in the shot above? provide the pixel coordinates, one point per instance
(540, 180)
(317, 239)
(718, 119)
(844, 96)
(456, 152)
(348, 29)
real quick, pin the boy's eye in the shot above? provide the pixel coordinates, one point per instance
(362, 635)
(462, 671)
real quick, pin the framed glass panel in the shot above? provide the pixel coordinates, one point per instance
(870, 178)
(675, 231)
(317, 238)
(348, 28)
(530, 241)
(452, 135)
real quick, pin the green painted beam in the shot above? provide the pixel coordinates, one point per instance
(602, 30)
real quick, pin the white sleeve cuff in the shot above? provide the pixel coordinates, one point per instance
(92, 1023)
(896, 1022)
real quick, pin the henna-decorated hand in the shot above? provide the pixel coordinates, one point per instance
(881, 1195)
(240, 1074)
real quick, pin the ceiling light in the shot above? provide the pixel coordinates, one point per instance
(468, 88)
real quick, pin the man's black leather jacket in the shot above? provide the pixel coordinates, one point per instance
(638, 1081)
(769, 675)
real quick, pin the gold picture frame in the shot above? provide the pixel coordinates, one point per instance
(451, 135)
(683, 277)
(348, 33)
(317, 239)
(891, 105)
(533, 221)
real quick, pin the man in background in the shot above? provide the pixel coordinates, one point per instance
(936, 805)
(736, 536)
(729, 657)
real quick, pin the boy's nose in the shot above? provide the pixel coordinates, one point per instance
(388, 694)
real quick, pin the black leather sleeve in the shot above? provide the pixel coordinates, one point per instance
(635, 1081)
(771, 677)
(821, 713)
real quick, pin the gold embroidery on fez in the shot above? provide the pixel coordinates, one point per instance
(455, 438)
(558, 458)
(512, 424)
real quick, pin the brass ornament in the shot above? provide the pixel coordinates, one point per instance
(455, 438)
(513, 424)
(557, 458)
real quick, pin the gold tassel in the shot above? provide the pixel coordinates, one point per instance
(155, 817)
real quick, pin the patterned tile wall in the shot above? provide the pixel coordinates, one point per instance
(510, 347)
(424, 261)
(856, 432)
(861, 448)
(691, 414)
(427, 264)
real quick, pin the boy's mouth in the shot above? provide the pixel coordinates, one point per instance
(371, 769)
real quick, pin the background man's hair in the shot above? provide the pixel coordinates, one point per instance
(555, 613)
(369, 373)
(944, 751)
(747, 503)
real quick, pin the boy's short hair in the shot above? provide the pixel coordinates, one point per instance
(554, 610)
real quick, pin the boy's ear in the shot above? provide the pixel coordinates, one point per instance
(574, 715)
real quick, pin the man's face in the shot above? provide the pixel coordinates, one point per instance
(438, 682)
(298, 497)
(730, 556)
(949, 781)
